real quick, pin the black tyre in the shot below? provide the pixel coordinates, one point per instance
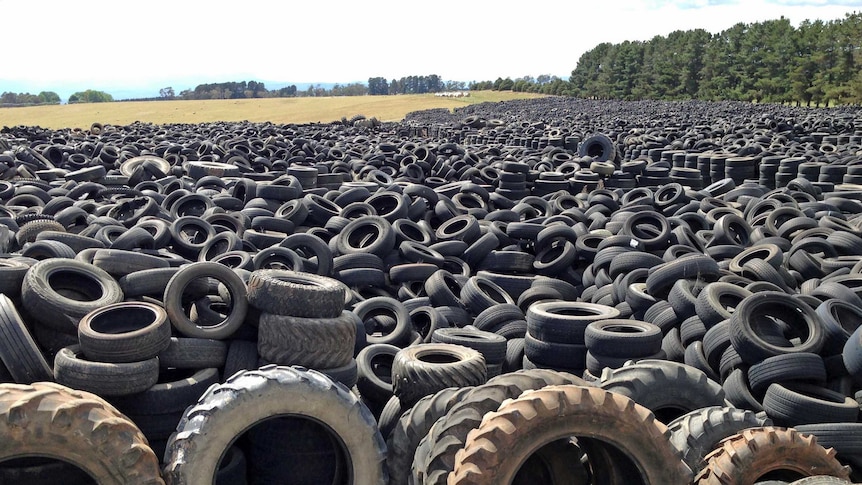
(752, 327)
(18, 351)
(104, 379)
(420, 370)
(318, 343)
(297, 294)
(124, 332)
(622, 338)
(59, 292)
(177, 285)
(565, 322)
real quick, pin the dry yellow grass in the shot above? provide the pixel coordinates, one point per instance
(276, 110)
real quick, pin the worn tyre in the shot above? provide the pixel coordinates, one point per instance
(226, 411)
(318, 343)
(536, 418)
(59, 292)
(745, 457)
(296, 294)
(124, 332)
(449, 433)
(173, 300)
(420, 370)
(104, 379)
(77, 427)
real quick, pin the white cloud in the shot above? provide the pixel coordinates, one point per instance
(102, 43)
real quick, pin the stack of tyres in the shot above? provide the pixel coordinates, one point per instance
(302, 323)
(555, 334)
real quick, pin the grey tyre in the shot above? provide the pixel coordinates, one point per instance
(294, 293)
(225, 412)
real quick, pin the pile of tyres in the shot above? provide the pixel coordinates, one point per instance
(546, 291)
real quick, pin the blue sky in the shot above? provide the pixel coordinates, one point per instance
(125, 46)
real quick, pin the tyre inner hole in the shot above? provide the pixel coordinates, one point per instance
(127, 319)
(456, 226)
(622, 329)
(312, 454)
(596, 150)
(437, 357)
(75, 286)
(574, 312)
(363, 239)
(491, 292)
(17, 470)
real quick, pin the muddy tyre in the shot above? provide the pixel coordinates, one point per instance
(540, 417)
(54, 421)
(754, 453)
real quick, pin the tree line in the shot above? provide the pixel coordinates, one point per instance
(543, 84)
(27, 99)
(767, 62)
(432, 83)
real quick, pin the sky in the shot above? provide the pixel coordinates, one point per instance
(141, 46)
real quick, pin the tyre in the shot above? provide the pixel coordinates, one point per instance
(386, 320)
(668, 389)
(797, 403)
(59, 292)
(412, 428)
(124, 332)
(449, 433)
(793, 367)
(177, 285)
(374, 364)
(695, 266)
(173, 393)
(79, 427)
(697, 433)
(296, 294)
(421, 370)
(599, 147)
(752, 327)
(104, 379)
(754, 453)
(490, 345)
(193, 353)
(247, 399)
(717, 301)
(536, 418)
(318, 343)
(18, 351)
(622, 338)
(565, 322)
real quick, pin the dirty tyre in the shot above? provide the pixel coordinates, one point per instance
(102, 378)
(226, 411)
(449, 433)
(753, 453)
(77, 427)
(423, 369)
(295, 293)
(319, 343)
(412, 428)
(537, 418)
(697, 433)
(668, 389)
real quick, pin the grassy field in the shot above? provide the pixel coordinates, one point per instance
(277, 110)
